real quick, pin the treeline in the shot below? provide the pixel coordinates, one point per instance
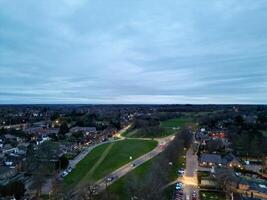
(246, 130)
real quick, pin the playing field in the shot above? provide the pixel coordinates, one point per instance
(174, 123)
(167, 127)
(107, 158)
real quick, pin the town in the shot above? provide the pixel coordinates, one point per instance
(133, 152)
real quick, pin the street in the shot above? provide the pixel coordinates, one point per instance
(190, 177)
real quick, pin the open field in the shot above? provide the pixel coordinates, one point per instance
(120, 187)
(107, 158)
(175, 123)
(165, 128)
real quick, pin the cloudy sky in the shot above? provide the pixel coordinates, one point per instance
(134, 51)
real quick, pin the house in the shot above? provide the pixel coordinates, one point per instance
(10, 138)
(22, 148)
(52, 131)
(14, 161)
(6, 174)
(86, 130)
(217, 135)
(42, 139)
(243, 185)
(35, 130)
(237, 196)
(110, 130)
(8, 148)
(208, 160)
(230, 160)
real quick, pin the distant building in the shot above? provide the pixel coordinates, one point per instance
(217, 135)
(86, 130)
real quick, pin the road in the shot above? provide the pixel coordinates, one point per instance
(102, 183)
(190, 177)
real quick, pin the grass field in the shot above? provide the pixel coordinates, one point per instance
(120, 187)
(107, 158)
(175, 123)
(129, 133)
(139, 133)
(166, 128)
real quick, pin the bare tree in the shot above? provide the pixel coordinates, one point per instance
(87, 192)
(40, 164)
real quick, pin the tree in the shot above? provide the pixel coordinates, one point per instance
(40, 164)
(87, 192)
(63, 162)
(239, 120)
(15, 188)
(63, 129)
(215, 145)
(187, 137)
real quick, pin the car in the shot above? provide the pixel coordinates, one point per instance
(69, 170)
(179, 196)
(65, 173)
(194, 195)
(178, 186)
(187, 197)
(111, 178)
(179, 192)
(181, 171)
(133, 164)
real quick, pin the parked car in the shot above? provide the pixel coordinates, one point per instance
(194, 196)
(181, 171)
(69, 170)
(179, 186)
(65, 173)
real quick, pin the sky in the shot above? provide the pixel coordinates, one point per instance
(133, 52)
